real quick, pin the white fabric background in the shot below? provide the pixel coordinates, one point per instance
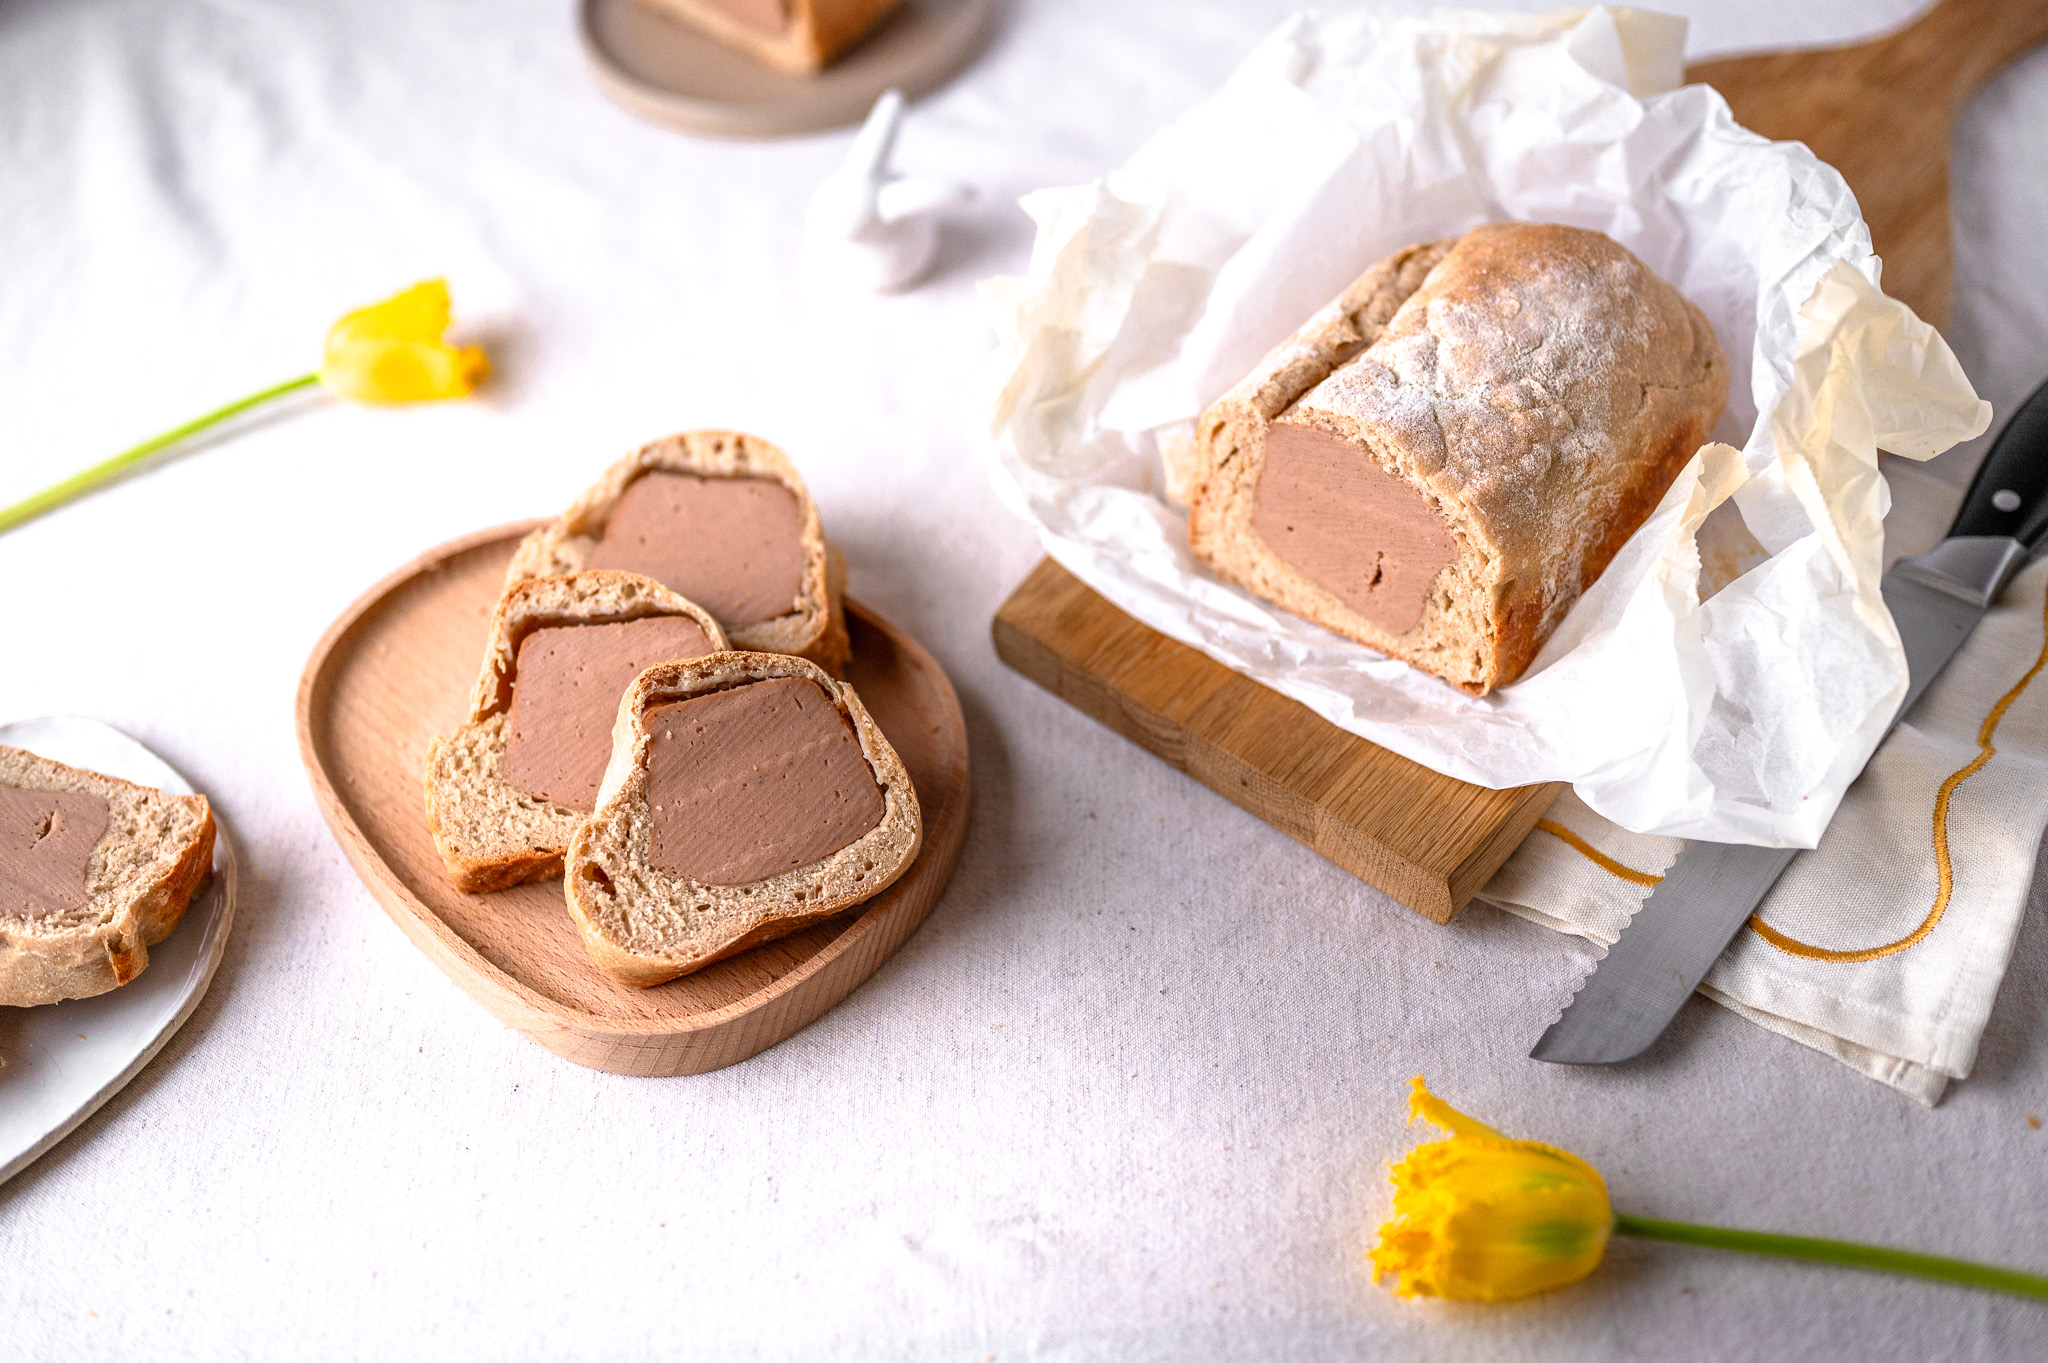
(1125, 1096)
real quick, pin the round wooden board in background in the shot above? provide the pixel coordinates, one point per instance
(667, 72)
(396, 669)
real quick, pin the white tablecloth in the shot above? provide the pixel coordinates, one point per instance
(1126, 1095)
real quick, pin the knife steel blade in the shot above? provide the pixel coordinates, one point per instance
(1935, 599)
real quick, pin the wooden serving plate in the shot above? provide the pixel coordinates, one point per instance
(396, 669)
(1881, 112)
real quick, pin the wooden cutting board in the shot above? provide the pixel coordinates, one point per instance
(396, 669)
(1881, 112)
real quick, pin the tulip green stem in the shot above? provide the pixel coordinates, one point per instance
(1837, 1252)
(85, 481)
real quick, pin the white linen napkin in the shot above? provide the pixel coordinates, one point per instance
(1885, 945)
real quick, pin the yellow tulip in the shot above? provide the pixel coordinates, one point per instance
(388, 352)
(393, 352)
(1479, 1217)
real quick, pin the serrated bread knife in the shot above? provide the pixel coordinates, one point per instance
(1936, 599)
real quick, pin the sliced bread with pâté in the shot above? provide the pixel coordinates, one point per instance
(721, 518)
(749, 795)
(93, 872)
(507, 790)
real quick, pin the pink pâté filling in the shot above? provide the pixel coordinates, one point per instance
(46, 843)
(752, 781)
(769, 16)
(732, 545)
(566, 684)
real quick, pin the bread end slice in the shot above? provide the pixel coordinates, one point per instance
(644, 926)
(491, 834)
(1230, 450)
(155, 854)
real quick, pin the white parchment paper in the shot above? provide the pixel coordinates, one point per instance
(1742, 717)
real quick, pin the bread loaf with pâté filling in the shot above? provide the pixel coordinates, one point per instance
(1444, 458)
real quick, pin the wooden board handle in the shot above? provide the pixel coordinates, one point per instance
(1882, 112)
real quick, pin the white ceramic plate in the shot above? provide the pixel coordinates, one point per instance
(65, 1059)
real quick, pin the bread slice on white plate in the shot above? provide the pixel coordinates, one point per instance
(721, 518)
(93, 872)
(507, 789)
(749, 795)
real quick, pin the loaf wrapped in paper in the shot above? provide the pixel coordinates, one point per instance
(1733, 666)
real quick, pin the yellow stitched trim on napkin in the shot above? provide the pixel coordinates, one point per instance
(1943, 869)
(1595, 855)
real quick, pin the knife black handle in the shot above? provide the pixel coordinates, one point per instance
(2009, 495)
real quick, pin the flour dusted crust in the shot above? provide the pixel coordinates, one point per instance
(490, 833)
(644, 927)
(816, 32)
(154, 856)
(1538, 385)
(815, 626)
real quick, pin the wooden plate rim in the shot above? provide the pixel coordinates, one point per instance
(945, 839)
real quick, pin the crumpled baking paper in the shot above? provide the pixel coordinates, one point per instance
(1741, 717)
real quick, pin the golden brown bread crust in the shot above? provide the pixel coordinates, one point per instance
(1536, 385)
(164, 908)
(137, 905)
(815, 629)
(482, 875)
(836, 25)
